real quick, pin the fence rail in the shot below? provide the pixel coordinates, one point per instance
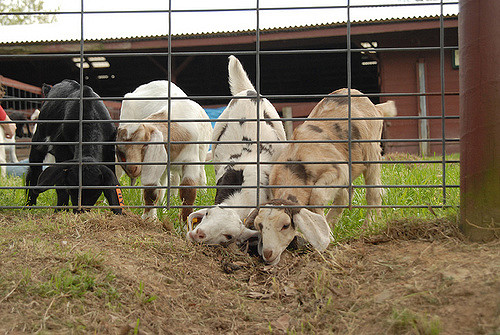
(27, 98)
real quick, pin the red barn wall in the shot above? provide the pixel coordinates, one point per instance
(398, 74)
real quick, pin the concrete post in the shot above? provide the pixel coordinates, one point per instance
(479, 44)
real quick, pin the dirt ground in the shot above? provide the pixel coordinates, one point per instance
(104, 274)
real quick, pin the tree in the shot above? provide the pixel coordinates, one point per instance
(24, 6)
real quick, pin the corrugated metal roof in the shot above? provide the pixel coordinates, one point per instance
(238, 32)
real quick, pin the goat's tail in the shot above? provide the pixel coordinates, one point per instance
(238, 78)
(387, 109)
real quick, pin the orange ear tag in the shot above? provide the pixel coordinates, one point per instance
(120, 197)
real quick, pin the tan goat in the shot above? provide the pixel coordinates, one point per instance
(278, 226)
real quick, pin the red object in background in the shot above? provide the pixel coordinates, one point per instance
(3, 115)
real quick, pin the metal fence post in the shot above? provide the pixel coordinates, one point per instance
(478, 31)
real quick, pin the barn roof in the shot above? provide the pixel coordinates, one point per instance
(185, 36)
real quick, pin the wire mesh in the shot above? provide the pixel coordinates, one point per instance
(17, 99)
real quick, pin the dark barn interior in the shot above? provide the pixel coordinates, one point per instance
(205, 75)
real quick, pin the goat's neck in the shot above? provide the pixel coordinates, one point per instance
(283, 176)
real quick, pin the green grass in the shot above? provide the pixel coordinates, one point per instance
(425, 174)
(78, 275)
(351, 220)
(403, 321)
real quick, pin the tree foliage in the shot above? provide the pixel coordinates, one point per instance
(24, 6)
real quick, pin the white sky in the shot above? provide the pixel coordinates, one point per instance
(99, 26)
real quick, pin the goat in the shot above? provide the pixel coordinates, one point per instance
(156, 175)
(59, 131)
(220, 225)
(278, 226)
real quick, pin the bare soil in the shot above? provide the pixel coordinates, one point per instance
(105, 274)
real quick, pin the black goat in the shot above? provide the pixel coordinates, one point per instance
(59, 131)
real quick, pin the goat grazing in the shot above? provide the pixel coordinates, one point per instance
(220, 225)
(155, 175)
(278, 225)
(102, 174)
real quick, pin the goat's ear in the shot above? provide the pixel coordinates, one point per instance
(247, 234)
(154, 153)
(53, 175)
(314, 227)
(196, 217)
(114, 196)
(46, 89)
(249, 221)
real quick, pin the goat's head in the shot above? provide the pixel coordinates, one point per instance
(278, 226)
(218, 226)
(138, 153)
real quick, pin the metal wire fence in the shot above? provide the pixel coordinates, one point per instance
(18, 100)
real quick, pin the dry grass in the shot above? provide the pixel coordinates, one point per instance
(99, 273)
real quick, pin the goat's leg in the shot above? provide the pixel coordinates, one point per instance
(321, 196)
(187, 196)
(152, 175)
(373, 194)
(333, 214)
(12, 150)
(63, 199)
(37, 155)
(150, 196)
(90, 197)
(175, 180)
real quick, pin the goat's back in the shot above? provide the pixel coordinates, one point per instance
(141, 109)
(57, 110)
(336, 106)
(245, 132)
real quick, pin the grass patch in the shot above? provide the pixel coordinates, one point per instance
(406, 321)
(407, 175)
(79, 275)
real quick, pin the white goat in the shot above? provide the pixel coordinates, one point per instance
(278, 225)
(156, 175)
(4, 149)
(224, 225)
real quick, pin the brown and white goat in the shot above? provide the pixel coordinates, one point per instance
(156, 174)
(278, 226)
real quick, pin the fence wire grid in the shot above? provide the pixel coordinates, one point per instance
(27, 98)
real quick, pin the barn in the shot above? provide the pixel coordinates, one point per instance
(410, 60)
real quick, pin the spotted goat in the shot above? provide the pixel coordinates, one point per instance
(278, 223)
(221, 224)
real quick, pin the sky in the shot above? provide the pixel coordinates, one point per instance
(122, 25)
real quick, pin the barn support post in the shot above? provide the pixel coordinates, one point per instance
(423, 130)
(479, 46)
(287, 114)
